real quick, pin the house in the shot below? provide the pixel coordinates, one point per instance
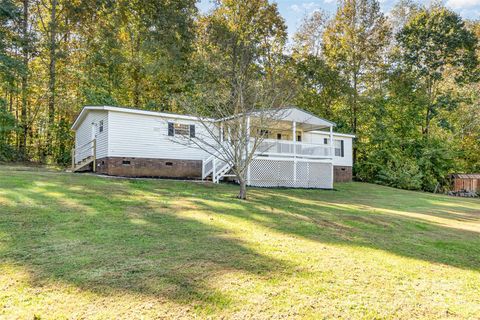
(137, 143)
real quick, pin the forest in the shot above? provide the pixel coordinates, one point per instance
(407, 84)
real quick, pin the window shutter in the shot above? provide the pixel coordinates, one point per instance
(192, 131)
(171, 131)
(342, 150)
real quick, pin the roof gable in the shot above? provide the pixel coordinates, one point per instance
(87, 109)
(291, 113)
(298, 115)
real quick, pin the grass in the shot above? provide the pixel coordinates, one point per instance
(81, 246)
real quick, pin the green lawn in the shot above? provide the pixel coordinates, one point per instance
(79, 246)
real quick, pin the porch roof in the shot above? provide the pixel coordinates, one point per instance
(293, 113)
(304, 119)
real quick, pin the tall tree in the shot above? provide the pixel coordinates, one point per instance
(435, 42)
(240, 46)
(309, 36)
(50, 15)
(354, 43)
(9, 67)
(26, 51)
(319, 85)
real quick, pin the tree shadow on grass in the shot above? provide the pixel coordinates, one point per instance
(143, 236)
(325, 217)
(109, 241)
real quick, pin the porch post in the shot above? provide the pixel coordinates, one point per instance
(294, 135)
(221, 132)
(332, 150)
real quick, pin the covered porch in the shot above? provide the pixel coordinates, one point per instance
(285, 138)
(285, 135)
(282, 157)
(285, 159)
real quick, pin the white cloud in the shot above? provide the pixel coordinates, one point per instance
(295, 8)
(305, 6)
(329, 1)
(462, 4)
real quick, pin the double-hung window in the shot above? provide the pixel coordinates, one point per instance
(180, 129)
(339, 148)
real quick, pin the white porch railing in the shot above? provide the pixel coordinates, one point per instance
(290, 149)
(84, 154)
(207, 166)
(217, 168)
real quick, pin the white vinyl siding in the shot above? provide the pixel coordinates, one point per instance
(87, 130)
(319, 138)
(146, 136)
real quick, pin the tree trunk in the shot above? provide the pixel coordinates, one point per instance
(242, 194)
(10, 103)
(52, 72)
(24, 125)
(430, 86)
(354, 115)
(427, 122)
(136, 72)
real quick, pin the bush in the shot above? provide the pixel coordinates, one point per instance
(422, 164)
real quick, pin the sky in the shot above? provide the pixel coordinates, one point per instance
(294, 10)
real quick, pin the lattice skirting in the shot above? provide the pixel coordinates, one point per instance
(285, 173)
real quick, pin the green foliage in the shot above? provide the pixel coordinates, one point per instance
(411, 99)
(435, 38)
(8, 126)
(436, 44)
(406, 84)
(416, 164)
(320, 86)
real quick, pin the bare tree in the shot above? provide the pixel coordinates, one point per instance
(239, 62)
(235, 136)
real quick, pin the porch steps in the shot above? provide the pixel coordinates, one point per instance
(78, 153)
(82, 164)
(215, 169)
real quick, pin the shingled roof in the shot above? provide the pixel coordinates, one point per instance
(465, 175)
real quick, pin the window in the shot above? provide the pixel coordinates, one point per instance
(264, 133)
(279, 136)
(100, 127)
(325, 140)
(298, 135)
(186, 130)
(339, 148)
(182, 129)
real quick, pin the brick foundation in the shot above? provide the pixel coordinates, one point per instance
(146, 167)
(342, 174)
(172, 168)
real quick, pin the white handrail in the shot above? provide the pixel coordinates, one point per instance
(216, 166)
(209, 164)
(299, 149)
(83, 152)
